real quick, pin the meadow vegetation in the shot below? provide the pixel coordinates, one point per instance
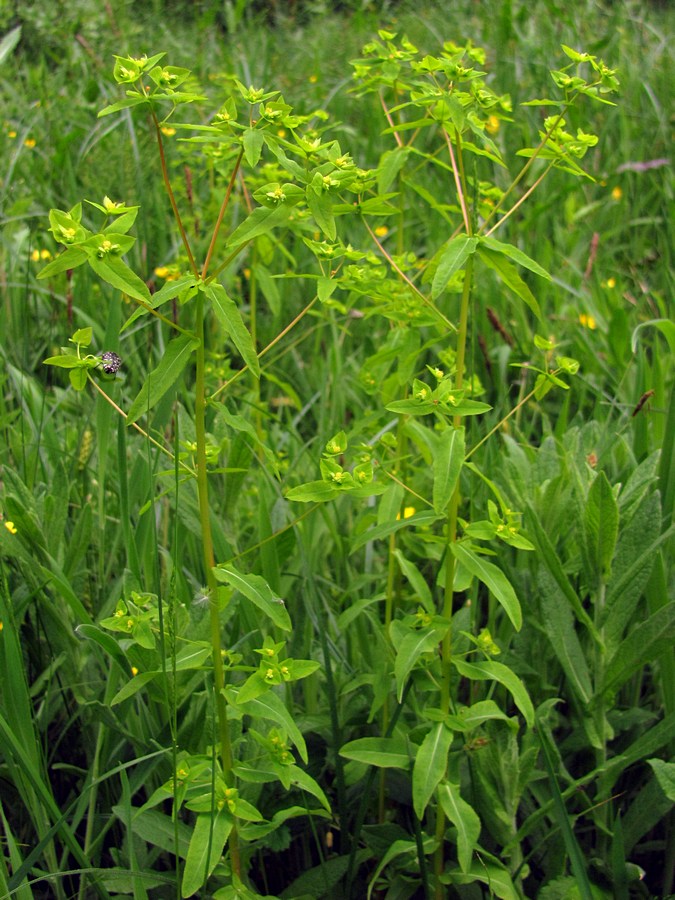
(336, 456)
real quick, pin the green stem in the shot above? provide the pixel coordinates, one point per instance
(209, 563)
(451, 537)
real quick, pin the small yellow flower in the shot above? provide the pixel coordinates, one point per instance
(587, 321)
(11, 133)
(45, 254)
(313, 79)
(168, 130)
(492, 125)
(1, 626)
(35, 256)
(30, 143)
(381, 231)
(246, 273)
(281, 133)
(161, 271)
(617, 193)
(407, 512)
(11, 527)
(134, 670)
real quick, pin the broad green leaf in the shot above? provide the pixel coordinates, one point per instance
(509, 275)
(253, 141)
(208, 834)
(116, 272)
(270, 706)
(167, 373)
(601, 527)
(133, 686)
(490, 873)
(452, 259)
(464, 818)
(495, 580)
(489, 670)
(321, 207)
(431, 762)
(127, 103)
(230, 318)
(448, 461)
(665, 326)
(65, 361)
(478, 714)
(302, 779)
(660, 735)
(257, 590)
(643, 645)
(385, 753)
(402, 847)
(260, 221)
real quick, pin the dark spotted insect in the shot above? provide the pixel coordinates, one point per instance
(641, 402)
(110, 362)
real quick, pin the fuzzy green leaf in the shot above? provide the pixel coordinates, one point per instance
(205, 850)
(643, 645)
(601, 527)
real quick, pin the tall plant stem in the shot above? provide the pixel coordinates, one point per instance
(451, 537)
(209, 563)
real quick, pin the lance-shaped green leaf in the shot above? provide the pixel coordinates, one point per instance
(464, 818)
(271, 707)
(230, 318)
(258, 591)
(206, 849)
(253, 141)
(430, 764)
(69, 259)
(494, 579)
(448, 461)
(385, 753)
(117, 273)
(516, 255)
(417, 581)
(489, 670)
(321, 207)
(261, 220)
(170, 291)
(162, 378)
(509, 275)
(413, 645)
(452, 259)
(601, 527)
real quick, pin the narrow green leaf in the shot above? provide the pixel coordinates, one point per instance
(453, 258)
(417, 581)
(464, 818)
(162, 378)
(391, 163)
(257, 590)
(448, 461)
(209, 833)
(601, 527)
(230, 318)
(383, 531)
(516, 255)
(510, 277)
(430, 764)
(9, 42)
(665, 775)
(385, 753)
(495, 580)
(169, 292)
(489, 670)
(313, 492)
